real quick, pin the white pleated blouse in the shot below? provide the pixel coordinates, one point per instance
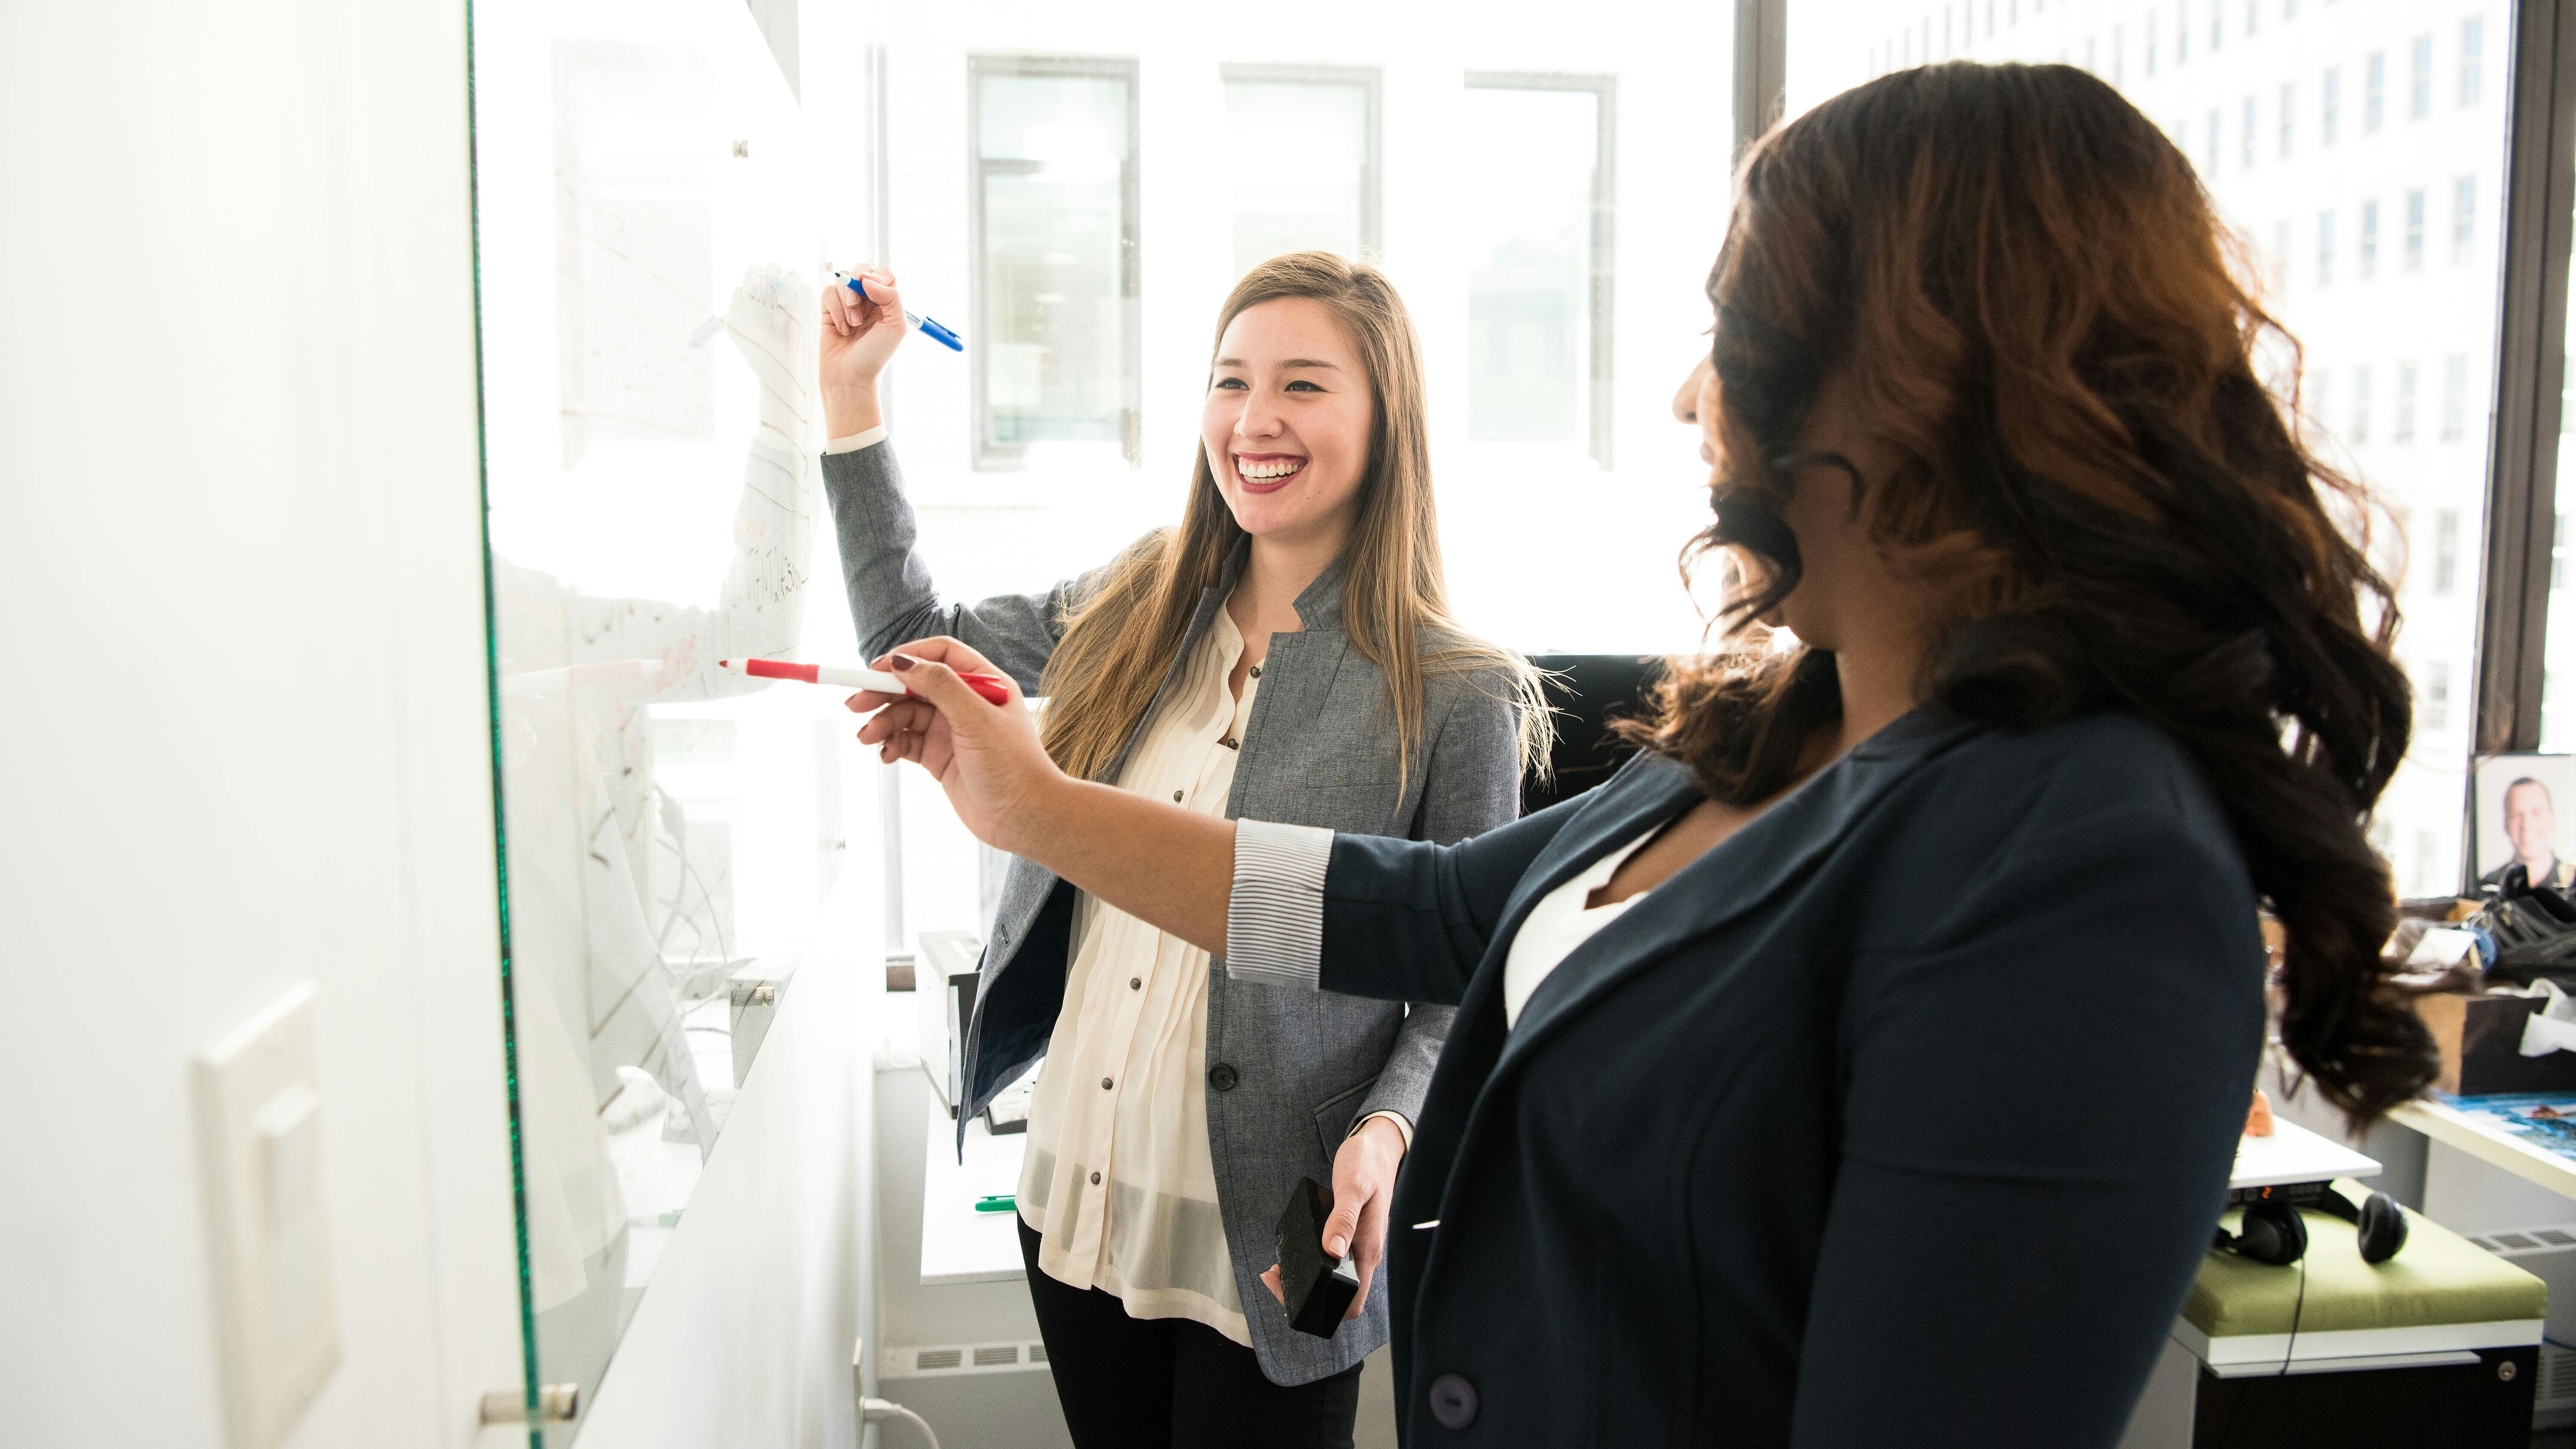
(1118, 1183)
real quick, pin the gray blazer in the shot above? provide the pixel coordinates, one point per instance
(1289, 1070)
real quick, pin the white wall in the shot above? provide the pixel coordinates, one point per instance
(244, 744)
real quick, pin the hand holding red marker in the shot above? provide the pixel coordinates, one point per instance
(991, 686)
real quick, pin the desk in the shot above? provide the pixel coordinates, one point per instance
(2489, 1144)
(2294, 1154)
(959, 1244)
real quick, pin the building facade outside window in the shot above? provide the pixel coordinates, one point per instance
(2415, 229)
(2455, 396)
(2473, 44)
(2464, 218)
(2374, 95)
(2369, 239)
(2330, 107)
(2325, 248)
(2404, 431)
(2360, 432)
(2289, 115)
(2420, 95)
(2250, 127)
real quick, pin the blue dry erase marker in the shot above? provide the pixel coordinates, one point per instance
(929, 328)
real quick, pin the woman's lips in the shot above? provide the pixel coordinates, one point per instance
(1267, 472)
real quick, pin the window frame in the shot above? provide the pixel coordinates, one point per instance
(2530, 374)
(986, 455)
(1371, 80)
(1601, 256)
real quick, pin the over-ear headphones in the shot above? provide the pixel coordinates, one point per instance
(2270, 1232)
(2273, 1232)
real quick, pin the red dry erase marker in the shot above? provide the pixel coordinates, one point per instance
(991, 686)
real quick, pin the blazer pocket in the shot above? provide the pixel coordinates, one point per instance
(1333, 1118)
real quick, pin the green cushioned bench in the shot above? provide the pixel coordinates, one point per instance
(2441, 1294)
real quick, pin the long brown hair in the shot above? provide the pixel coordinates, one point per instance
(2030, 297)
(1119, 641)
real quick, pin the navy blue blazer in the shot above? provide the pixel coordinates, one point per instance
(1903, 1115)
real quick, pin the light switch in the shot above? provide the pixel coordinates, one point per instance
(259, 1135)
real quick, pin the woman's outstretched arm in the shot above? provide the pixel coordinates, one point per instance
(1266, 897)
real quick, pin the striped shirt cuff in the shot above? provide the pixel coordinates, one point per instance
(1274, 919)
(864, 438)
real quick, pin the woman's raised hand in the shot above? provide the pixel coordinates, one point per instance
(986, 756)
(860, 335)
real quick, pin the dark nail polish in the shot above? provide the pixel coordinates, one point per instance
(902, 662)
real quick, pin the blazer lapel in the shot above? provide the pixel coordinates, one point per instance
(1739, 876)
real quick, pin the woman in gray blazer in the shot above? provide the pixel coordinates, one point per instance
(1285, 653)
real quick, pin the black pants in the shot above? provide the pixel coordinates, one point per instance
(1148, 1383)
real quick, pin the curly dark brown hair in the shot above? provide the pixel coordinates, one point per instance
(2028, 294)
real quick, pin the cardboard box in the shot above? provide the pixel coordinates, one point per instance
(2481, 1041)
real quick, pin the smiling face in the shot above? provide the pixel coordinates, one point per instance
(1288, 423)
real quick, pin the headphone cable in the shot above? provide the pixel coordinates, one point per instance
(2298, 1312)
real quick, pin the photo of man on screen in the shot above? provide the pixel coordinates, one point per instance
(2531, 824)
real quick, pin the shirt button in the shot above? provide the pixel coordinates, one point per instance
(1095, 1179)
(1104, 1084)
(1176, 797)
(1222, 1076)
(1256, 671)
(1135, 983)
(1453, 1401)
(1231, 743)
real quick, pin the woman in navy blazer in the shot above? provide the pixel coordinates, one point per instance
(1864, 1063)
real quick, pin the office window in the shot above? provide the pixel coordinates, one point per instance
(2420, 95)
(2455, 396)
(2446, 550)
(2415, 230)
(2253, 15)
(2437, 695)
(2212, 166)
(1315, 132)
(2151, 43)
(2330, 108)
(2464, 218)
(2325, 248)
(1538, 271)
(2374, 90)
(2250, 129)
(2217, 24)
(2404, 431)
(2281, 256)
(1055, 357)
(2289, 114)
(2092, 61)
(2119, 55)
(1990, 19)
(2360, 405)
(2369, 240)
(2473, 45)
(2182, 33)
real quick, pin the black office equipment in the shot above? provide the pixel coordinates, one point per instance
(1587, 691)
(1318, 1286)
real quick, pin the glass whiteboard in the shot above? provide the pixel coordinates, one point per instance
(644, 253)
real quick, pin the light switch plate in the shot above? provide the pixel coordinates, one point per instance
(259, 1140)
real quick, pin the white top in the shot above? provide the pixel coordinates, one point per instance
(1560, 922)
(1119, 1185)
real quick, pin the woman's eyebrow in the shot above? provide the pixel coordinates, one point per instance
(1291, 362)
